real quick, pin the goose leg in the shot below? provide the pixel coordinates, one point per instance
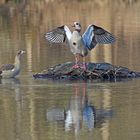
(84, 63)
(77, 57)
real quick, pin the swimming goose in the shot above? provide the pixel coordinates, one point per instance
(80, 45)
(12, 70)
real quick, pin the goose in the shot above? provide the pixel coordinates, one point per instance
(12, 70)
(79, 44)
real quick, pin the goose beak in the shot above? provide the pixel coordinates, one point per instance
(23, 52)
(73, 25)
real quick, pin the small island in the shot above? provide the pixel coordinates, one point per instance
(102, 71)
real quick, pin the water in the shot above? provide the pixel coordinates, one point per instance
(36, 109)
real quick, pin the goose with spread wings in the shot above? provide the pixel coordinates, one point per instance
(80, 44)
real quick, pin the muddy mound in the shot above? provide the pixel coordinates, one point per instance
(103, 71)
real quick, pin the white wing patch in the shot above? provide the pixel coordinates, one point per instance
(68, 32)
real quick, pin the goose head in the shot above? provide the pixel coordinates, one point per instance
(77, 26)
(20, 53)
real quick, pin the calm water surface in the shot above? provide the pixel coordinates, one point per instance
(38, 109)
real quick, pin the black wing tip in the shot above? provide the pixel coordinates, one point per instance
(61, 27)
(95, 26)
(112, 39)
(46, 36)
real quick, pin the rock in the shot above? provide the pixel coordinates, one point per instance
(103, 71)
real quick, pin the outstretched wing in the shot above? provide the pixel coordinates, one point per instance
(58, 35)
(7, 67)
(96, 35)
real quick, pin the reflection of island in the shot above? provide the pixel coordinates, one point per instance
(80, 112)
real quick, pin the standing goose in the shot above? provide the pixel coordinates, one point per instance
(12, 70)
(79, 45)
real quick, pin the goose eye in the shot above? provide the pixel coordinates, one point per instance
(19, 52)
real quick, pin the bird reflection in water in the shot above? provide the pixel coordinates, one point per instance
(80, 112)
(13, 84)
(10, 81)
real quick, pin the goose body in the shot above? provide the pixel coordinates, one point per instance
(80, 44)
(77, 45)
(12, 70)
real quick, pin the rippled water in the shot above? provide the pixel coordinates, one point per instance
(36, 109)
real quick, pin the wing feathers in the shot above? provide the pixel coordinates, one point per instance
(102, 36)
(58, 35)
(98, 35)
(7, 67)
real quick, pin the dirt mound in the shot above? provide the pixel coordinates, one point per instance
(103, 71)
